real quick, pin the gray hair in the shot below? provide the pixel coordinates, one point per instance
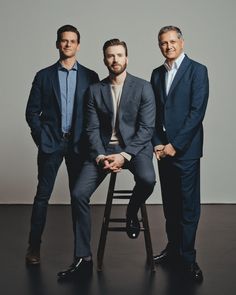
(170, 28)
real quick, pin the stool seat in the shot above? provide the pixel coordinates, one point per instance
(122, 194)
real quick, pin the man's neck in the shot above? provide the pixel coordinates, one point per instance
(119, 79)
(68, 63)
(171, 61)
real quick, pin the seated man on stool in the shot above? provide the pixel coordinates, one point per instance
(120, 124)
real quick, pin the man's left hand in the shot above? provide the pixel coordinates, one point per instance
(169, 150)
(114, 162)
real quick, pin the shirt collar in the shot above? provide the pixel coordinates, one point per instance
(176, 64)
(61, 68)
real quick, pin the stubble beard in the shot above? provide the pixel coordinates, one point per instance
(118, 72)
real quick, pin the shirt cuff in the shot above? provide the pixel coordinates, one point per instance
(126, 156)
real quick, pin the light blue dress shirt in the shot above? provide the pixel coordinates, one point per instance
(67, 81)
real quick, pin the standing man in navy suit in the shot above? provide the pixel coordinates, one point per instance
(55, 115)
(120, 125)
(181, 89)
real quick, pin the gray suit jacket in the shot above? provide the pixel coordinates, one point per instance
(136, 116)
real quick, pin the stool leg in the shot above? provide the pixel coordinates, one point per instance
(105, 224)
(147, 237)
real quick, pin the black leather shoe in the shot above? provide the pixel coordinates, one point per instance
(33, 255)
(168, 255)
(79, 267)
(163, 256)
(132, 227)
(193, 272)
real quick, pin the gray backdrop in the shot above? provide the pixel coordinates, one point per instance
(28, 34)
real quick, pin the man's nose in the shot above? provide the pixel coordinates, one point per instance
(168, 45)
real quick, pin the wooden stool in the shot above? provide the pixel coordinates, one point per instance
(122, 194)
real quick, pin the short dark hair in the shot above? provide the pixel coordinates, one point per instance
(114, 42)
(67, 28)
(170, 28)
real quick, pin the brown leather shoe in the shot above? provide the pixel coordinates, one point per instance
(33, 255)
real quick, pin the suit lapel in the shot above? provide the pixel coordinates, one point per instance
(55, 83)
(184, 65)
(80, 88)
(107, 96)
(126, 93)
(163, 84)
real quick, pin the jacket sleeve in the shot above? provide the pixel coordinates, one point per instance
(156, 139)
(33, 110)
(95, 78)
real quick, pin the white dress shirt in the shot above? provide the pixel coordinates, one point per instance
(170, 75)
(172, 70)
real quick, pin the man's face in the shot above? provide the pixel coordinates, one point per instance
(170, 45)
(68, 45)
(115, 59)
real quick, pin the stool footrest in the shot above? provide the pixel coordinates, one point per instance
(121, 220)
(120, 228)
(116, 228)
(122, 192)
(122, 197)
(117, 219)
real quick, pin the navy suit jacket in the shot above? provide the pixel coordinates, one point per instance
(136, 116)
(183, 109)
(43, 111)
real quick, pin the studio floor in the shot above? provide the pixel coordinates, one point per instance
(124, 271)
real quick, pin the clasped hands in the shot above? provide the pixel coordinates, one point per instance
(162, 151)
(112, 163)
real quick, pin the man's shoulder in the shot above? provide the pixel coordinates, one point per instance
(136, 79)
(85, 69)
(158, 69)
(194, 63)
(97, 85)
(54, 67)
(47, 69)
(129, 78)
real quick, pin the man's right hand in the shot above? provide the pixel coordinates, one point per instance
(159, 151)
